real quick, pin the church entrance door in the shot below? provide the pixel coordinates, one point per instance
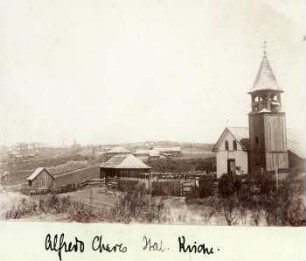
(231, 166)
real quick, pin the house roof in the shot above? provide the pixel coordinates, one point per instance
(147, 152)
(296, 142)
(265, 78)
(118, 150)
(124, 162)
(37, 172)
(172, 149)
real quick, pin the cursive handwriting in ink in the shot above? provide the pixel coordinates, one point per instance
(153, 246)
(58, 246)
(194, 248)
(98, 245)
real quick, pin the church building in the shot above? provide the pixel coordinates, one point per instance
(264, 145)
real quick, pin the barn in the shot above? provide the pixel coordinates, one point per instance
(40, 179)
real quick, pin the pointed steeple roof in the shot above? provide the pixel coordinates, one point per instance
(265, 79)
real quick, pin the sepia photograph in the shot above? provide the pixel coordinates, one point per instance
(153, 112)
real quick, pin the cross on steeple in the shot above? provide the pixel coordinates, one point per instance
(264, 47)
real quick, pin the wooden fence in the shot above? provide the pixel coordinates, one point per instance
(169, 188)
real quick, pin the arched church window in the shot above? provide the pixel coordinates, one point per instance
(234, 145)
(226, 145)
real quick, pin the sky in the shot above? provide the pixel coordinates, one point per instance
(123, 71)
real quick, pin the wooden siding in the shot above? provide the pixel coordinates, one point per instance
(123, 173)
(241, 161)
(276, 160)
(275, 132)
(268, 141)
(42, 181)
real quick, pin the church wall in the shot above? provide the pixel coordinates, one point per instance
(268, 141)
(257, 141)
(241, 160)
(275, 141)
(222, 155)
(275, 132)
(276, 160)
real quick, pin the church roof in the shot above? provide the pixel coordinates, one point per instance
(124, 162)
(241, 134)
(265, 79)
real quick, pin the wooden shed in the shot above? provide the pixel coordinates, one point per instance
(40, 179)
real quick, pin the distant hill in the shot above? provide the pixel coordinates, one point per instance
(151, 144)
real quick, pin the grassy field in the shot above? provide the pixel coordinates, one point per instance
(205, 155)
(77, 176)
(19, 176)
(95, 197)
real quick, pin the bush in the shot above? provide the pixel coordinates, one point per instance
(229, 208)
(51, 205)
(228, 185)
(183, 165)
(206, 186)
(137, 206)
(264, 182)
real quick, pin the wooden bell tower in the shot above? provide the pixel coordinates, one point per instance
(267, 122)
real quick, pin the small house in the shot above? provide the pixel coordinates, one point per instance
(147, 155)
(116, 151)
(170, 152)
(40, 179)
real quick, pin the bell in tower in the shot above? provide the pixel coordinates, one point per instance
(267, 122)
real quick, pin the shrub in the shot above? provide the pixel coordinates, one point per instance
(228, 185)
(138, 206)
(206, 186)
(229, 209)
